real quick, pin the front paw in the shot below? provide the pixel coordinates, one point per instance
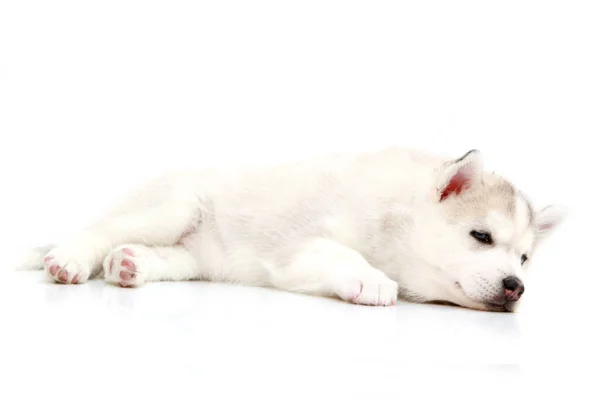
(373, 289)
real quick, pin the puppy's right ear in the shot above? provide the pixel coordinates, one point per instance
(457, 175)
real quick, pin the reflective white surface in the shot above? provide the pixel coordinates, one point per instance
(199, 339)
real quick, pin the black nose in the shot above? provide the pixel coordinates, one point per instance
(513, 288)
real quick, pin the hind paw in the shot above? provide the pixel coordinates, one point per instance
(63, 267)
(125, 265)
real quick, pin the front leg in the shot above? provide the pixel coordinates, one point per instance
(78, 259)
(326, 268)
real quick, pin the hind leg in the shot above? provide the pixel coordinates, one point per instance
(81, 257)
(132, 265)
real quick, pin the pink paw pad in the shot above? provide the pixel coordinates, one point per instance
(128, 264)
(53, 270)
(128, 270)
(63, 276)
(126, 276)
(129, 252)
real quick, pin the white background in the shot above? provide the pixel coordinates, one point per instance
(95, 96)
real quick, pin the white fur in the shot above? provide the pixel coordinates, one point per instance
(361, 227)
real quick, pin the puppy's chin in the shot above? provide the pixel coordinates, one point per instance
(510, 307)
(472, 306)
(443, 303)
(495, 307)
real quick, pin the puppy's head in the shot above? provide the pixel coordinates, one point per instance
(483, 235)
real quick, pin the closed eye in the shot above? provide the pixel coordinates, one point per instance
(482, 237)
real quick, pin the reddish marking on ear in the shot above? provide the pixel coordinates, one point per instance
(456, 185)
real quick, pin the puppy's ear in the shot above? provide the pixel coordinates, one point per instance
(547, 219)
(457, 175)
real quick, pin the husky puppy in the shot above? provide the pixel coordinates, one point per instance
(366, 228)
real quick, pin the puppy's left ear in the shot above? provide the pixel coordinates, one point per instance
(457, 175)
(547, 219)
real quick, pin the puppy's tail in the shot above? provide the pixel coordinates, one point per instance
(33, 259)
